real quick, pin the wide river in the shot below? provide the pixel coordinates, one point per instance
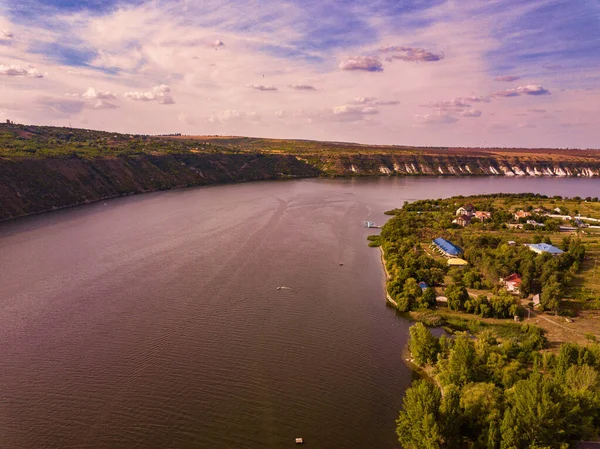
(155, 321)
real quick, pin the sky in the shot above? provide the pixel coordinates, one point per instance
(508, 73)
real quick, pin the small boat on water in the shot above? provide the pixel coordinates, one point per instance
(299, 441)
(284, 288)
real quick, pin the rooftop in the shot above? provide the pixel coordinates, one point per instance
(447, 247)
(544, 248)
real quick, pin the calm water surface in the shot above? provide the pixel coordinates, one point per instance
(154, 321)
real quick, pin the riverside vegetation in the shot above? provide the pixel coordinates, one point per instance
(490, 382)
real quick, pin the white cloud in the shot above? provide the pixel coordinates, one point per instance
(350, 112)
(373, 101)
(301, 87)
(160, 93)
(262, 87)
(367, 63)
(533, 89)
(5, 36)
(530, 89)
(471, 113)
(15, 70)
(232, 114)
(454, 103)
(92, 93)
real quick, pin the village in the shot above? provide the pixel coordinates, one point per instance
(502, 258)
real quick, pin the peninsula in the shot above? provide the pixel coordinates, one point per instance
(514, 282)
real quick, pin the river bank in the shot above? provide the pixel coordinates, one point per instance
(387, 277)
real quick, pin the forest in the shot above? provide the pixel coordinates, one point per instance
(493, 393)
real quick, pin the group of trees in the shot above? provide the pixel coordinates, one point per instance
(503, 305)
(492, 394)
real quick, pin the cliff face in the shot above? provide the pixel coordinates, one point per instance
(29, 186)
(44, 168)
(450, 165)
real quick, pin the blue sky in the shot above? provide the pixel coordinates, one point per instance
(422, 72)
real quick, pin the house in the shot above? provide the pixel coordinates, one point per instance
(462, 220)
(522, 214)
(536, 300)
(512, 283)
(446, 248)
(544, 248)
(457, 262)
(424, 286)
(511, 243)
(467, 209)
(483, 215)
(534, 223)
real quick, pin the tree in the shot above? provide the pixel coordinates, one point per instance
(418, 425)
(428, 298)
(457, 296)
(481, 405)
(423, 346)
(541, 410)
(459, 368)
(451, 416)
(510, 430)
(550, 297)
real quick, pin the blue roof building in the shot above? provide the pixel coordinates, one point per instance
(423, 285)
(447, 248)
(544, 248)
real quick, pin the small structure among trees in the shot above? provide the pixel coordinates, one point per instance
(512, 283)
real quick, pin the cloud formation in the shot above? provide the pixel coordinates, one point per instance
(410, 54)
(530, 89)
(262, 87)
(373, 101)
(350, 113)
(160, 93)
(454, 103)
(507, 78)
(471, 113)
(92, 93)
(15, 70)
(366, 63)
(5, 36)
(301, 87)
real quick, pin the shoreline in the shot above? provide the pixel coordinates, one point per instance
(387, 276)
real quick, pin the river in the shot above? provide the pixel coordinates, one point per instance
(154, 321)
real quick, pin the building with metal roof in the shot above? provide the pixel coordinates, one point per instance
(544, 248)
(447, 248)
